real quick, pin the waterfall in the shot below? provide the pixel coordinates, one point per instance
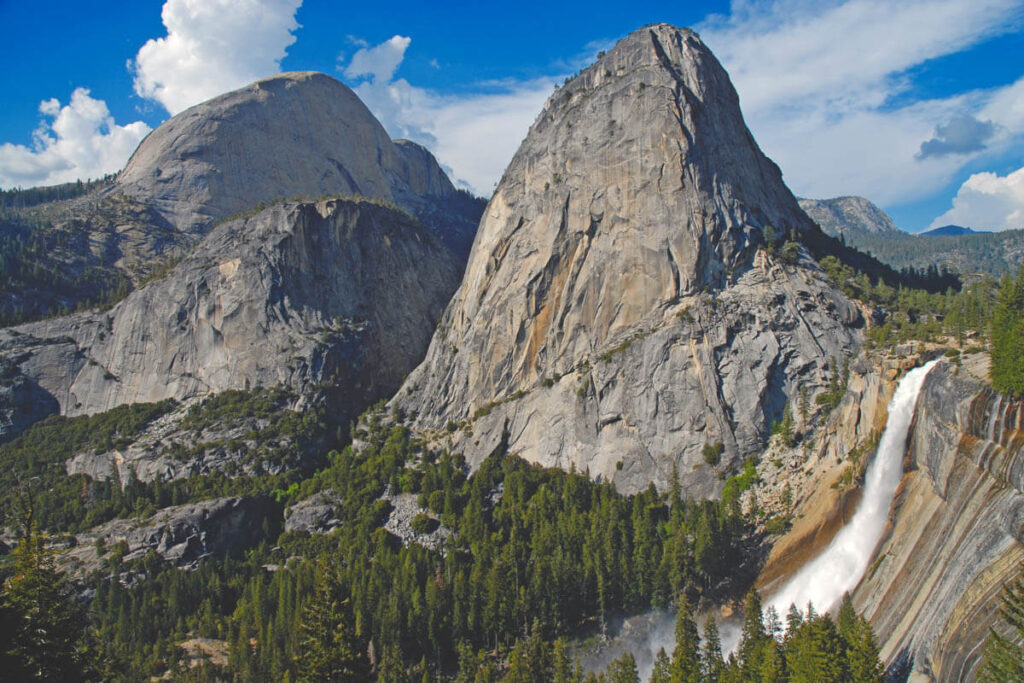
(841, 565)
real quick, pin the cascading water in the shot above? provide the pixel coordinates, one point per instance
(841, 565)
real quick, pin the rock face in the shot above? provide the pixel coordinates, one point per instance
(294, 134)
(182, 535)
(617, 311)
(187, 442)
(957, 530)
(345, 292)
(297, 135)
(845, 215)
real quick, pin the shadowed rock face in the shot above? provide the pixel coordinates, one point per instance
(295, 134)
(183, 535)
(299, 294)
(613, 310)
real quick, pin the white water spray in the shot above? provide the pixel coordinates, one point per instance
(837, 569)
(841, 565)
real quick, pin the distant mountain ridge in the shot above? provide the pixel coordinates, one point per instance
(868, 228)
(951, 231)
(843, 215)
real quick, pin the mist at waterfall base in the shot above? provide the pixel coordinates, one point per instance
(821, 582)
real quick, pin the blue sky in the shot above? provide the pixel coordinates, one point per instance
(917, 105)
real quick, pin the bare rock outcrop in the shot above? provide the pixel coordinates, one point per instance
(619, 310)
(294, 134)
(337, 296)
(183, 535)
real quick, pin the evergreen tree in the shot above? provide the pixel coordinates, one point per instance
(42, 626)
(862, 655)
(622, 670)
(328, 651)
(714, 665)
(753, 636)
(773, 663)
(686, 664)
(1007, 367)
(1004, 656)
(662, 671)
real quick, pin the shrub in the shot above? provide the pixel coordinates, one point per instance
(713, 452)
(424, 523)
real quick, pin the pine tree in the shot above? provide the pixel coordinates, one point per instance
(42, 625)
(862, 655)
(686, 664)
(714, 665)
(1004, 656)
(623, 670)
(662, 671)
(753, 636)
(1007, 367)
(773, 663)
(328, 651)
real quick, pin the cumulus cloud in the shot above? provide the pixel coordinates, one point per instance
(825, 90)
(76, 141)
(988, 201)
(473, 136)
(212, 47)
(962, 135)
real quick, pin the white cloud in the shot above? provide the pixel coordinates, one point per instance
(81, 141)
(212, 47)
(473, 136)
(824, 89)
(379, 62)
(987, 201)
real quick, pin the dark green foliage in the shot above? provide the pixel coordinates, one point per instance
(534, 553)
(785, 428)
(686, 663)
(831, 397)
(712, 661)
(1007, 370)
(328, 649)
(22, 198)
(1004, 655)
(42, 625)
(623, 670)
(713, 452)
(423, 523)
(76, 503)
(980, 253)
(809, 650)
(916, 313)
(35, 284)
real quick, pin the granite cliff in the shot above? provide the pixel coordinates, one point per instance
(292, 136)
(300, 294)
(336, 297)
(932, 594)
(619, 310)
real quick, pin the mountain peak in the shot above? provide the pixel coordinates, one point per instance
(844, 215)
(295, 134)
(637, 192)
